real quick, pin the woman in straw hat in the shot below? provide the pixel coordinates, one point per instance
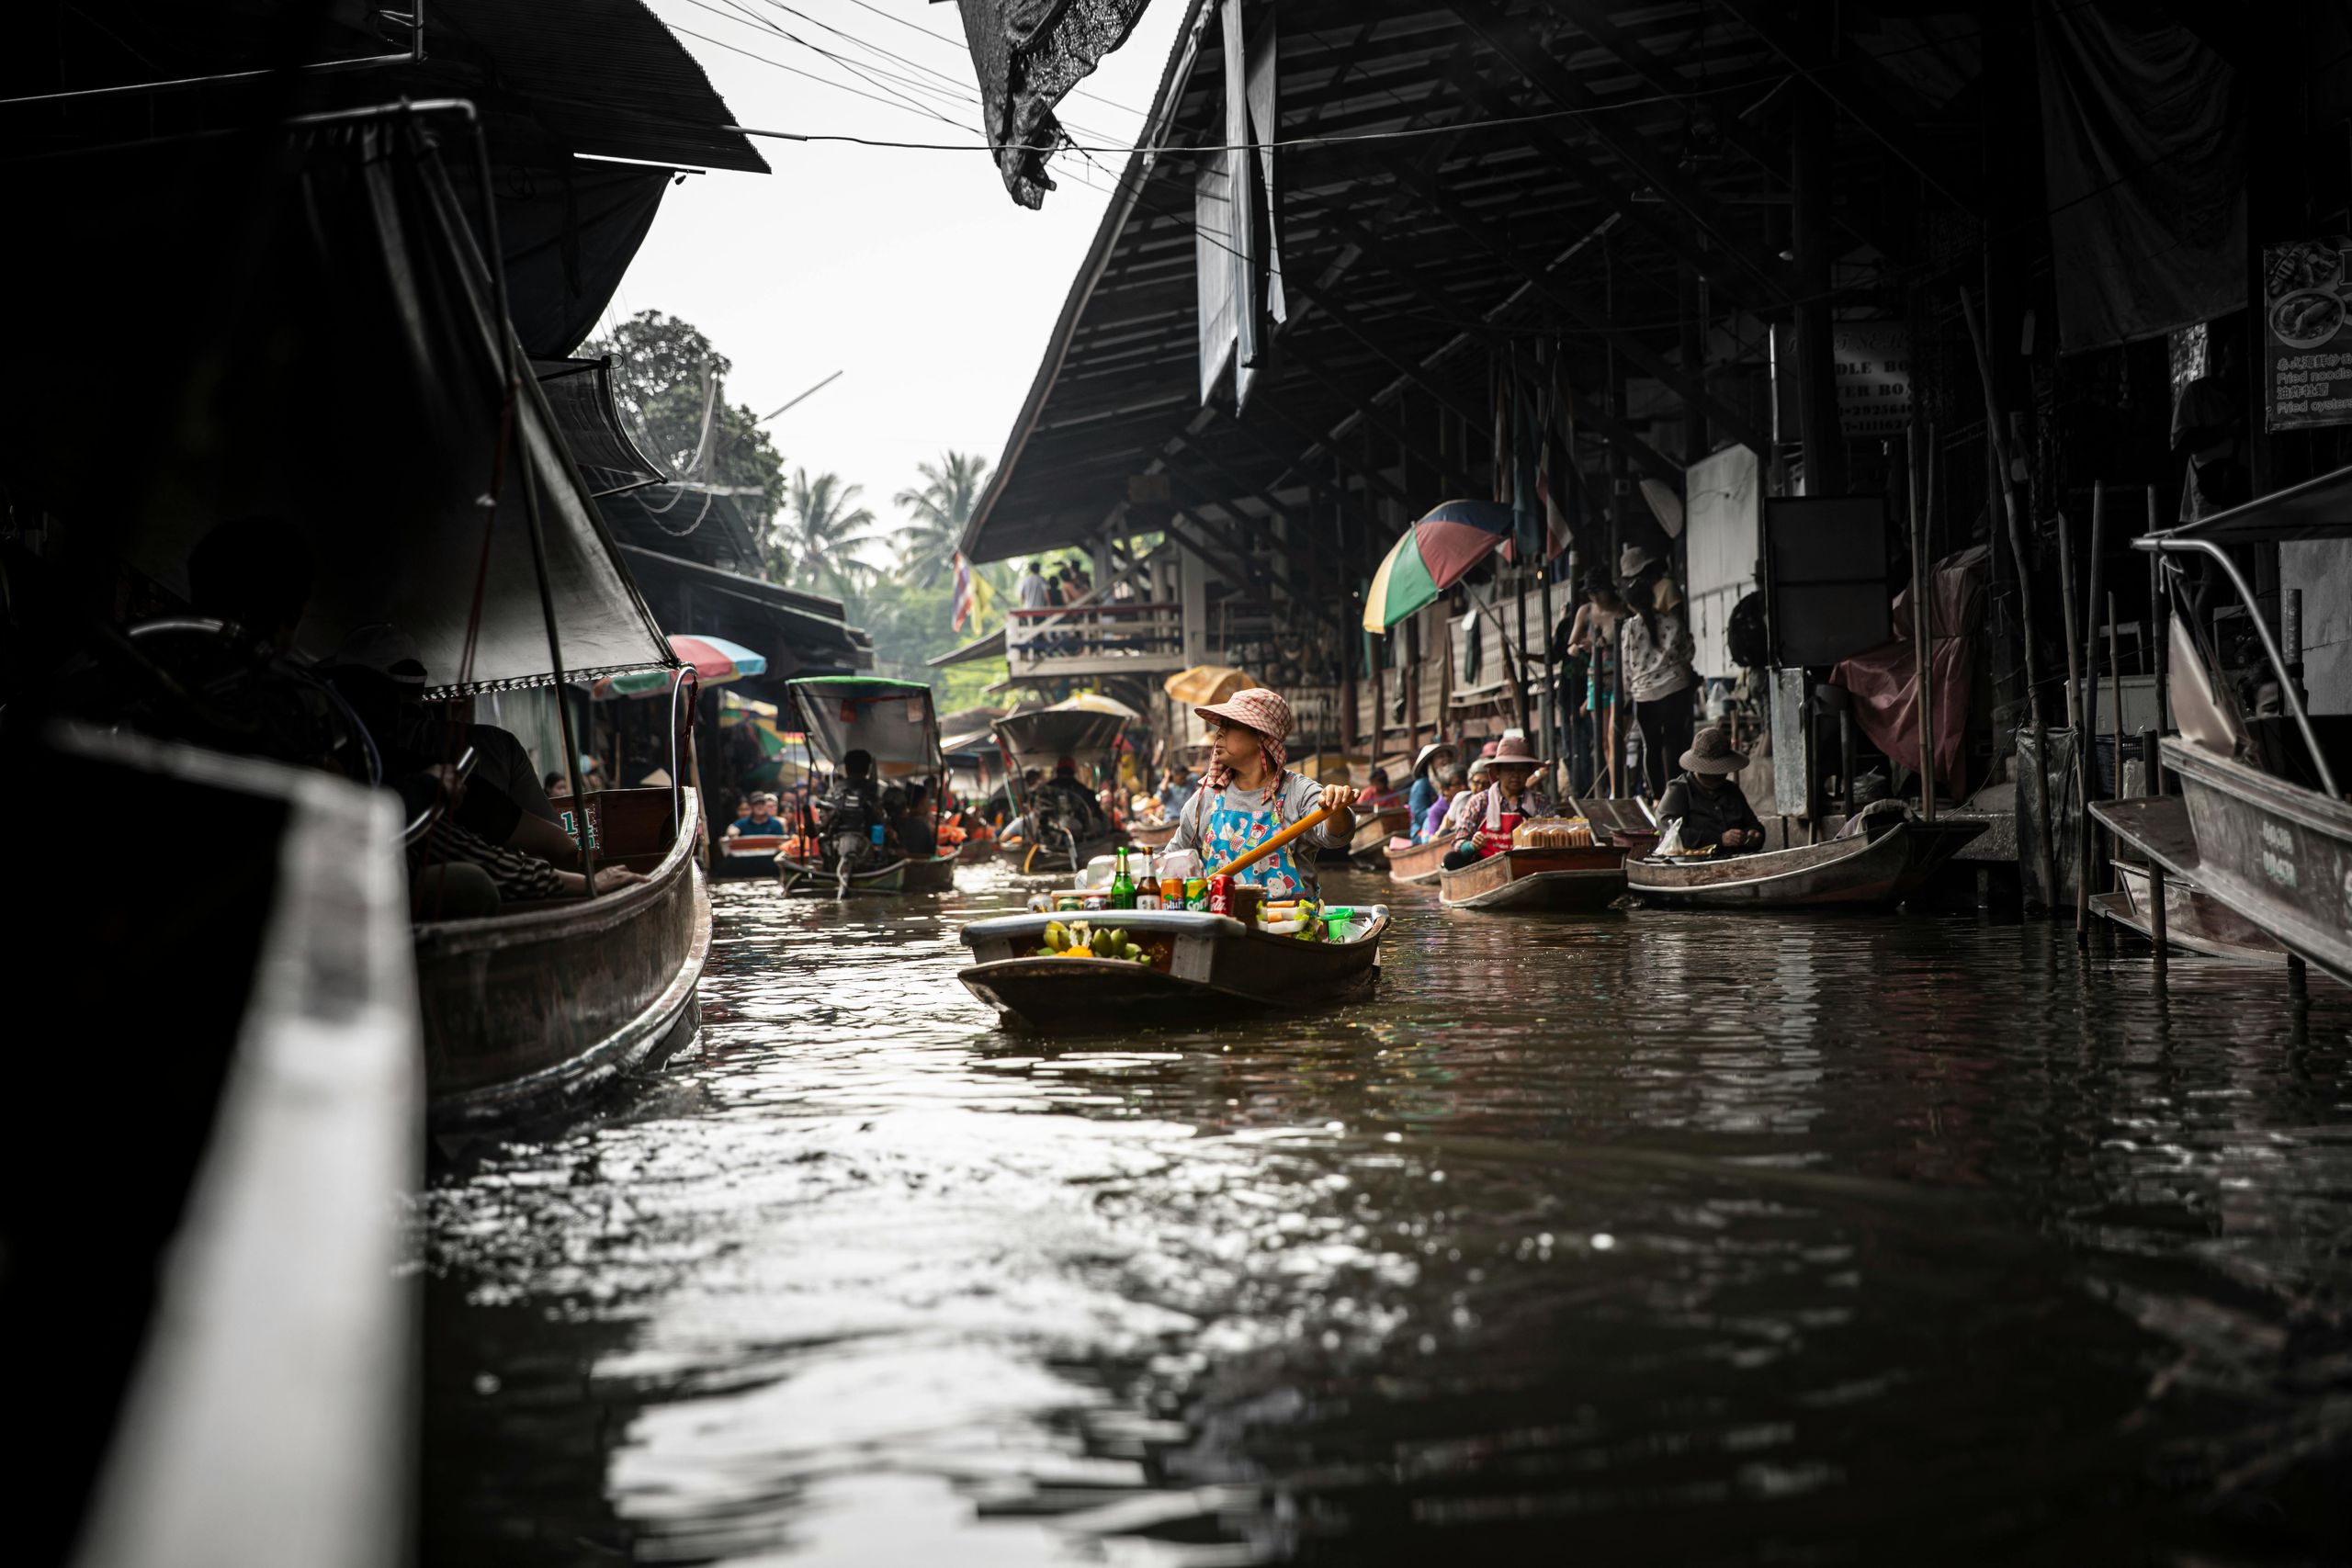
(1711, 807)
(1509, 795)
(1250, 794)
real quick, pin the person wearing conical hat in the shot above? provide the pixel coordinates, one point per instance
(1712, 808)
(1509, 792)
(1251, 793)
(1428, 767)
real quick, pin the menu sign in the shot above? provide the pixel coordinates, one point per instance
(2307, 355)
(1873, 370)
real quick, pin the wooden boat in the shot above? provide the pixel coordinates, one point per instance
(975, 852)
(1586, 879)
(930, 874)
(2276, 855)
(1152, 835)
(817, 880)
(2195, 921)
(1888, 859)
(234, 1321)
(1422, 863)
(1057, 861)
(2274, 852)
(1369, 843)
(747, 854)
(542, 1003)
(1200, 963)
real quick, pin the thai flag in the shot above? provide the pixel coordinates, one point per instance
(963, 608)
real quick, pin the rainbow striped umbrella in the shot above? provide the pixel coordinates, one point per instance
(714, 658)
(1433, 557)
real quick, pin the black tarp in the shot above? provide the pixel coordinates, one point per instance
(580, 394)
(2145, 156)
(298, 325)
(569, 231)
(1028, 54)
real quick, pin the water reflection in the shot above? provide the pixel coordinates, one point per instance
(1709, 1237)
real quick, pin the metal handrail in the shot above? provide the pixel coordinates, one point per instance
(210, 625)
(2174, 545)
(682, 679)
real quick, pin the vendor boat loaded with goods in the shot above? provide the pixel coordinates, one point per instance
(1099, 953)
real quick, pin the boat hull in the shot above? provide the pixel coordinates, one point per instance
(1421, 864)
(745, 856)
(1053, 860)
(1200, 963)
(1152, 836)
(527, 1012)
(1575, 880)
(932, 874)
(1866, 870)
(1369, 843)
(2195, 921)
(2276, 853)
(815, 881)
(975, 852)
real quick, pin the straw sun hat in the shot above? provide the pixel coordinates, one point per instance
(1711, 752)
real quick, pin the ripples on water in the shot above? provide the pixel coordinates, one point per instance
(1672, 1238)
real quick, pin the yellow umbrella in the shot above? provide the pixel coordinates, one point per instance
(1206, 683)
(1094, 702)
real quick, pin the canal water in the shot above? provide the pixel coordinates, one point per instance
(1659, 1237)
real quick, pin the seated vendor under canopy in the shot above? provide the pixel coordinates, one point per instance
(1710, 804)
(1482, 818)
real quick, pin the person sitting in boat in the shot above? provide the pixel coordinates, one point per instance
(1377, 795)
(759, 818)
(555, 784)
(1705, 799)
(1065, 795)
(1436, 757)
(1249, 795)
(910, 825)
(1477, 818)
(852, 806)
(1450, 788)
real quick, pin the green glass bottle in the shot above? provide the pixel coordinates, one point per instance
(1122, 886)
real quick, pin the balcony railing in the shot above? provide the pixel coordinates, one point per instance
(1083, 639)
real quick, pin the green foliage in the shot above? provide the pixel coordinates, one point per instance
(936, 514)
(816, 542)
(665, 376)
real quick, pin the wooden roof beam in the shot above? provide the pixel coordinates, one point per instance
(1367, 408)
(1512, 40)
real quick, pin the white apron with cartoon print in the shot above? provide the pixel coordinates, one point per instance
(1228, 833)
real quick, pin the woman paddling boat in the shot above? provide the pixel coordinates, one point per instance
(1250, 795)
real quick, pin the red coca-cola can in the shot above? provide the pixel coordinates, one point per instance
(1220, 895)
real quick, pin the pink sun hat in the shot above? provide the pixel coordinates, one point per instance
(1256, 708)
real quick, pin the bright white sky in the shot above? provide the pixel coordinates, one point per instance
(914, 273)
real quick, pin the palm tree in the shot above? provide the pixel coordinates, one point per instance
(937, 513)
(819, 535)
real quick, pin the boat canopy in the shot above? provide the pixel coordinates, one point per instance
(890, 719)
(2316, 509)
(372, 423)
(579, 395)
(1038, 739)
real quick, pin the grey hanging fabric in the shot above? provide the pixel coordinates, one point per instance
(1029, 54)
(2144, 155)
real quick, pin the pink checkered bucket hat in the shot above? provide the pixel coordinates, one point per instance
(1256, 708)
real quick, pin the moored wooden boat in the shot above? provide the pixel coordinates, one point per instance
(540, 1004)
(1589, 878)
(975, 852)
(1420, 863)
(2277, 854)
(2195, 921)
(1059, 862)
(1369, 843)
(1199, 963)
(747, 854)
(1891, 858)
(815, 879)
(930, 874)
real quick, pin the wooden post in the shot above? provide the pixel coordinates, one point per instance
(1996, 443)
(1923, 623)
(2160, 621)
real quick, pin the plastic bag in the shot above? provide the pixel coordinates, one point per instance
(1179, 862)
(1670, 839)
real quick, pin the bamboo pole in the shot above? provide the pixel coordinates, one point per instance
(2083, 841)
(1998, 445)
(1922, 621)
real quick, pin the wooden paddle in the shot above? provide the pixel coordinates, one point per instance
(1270, 845)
